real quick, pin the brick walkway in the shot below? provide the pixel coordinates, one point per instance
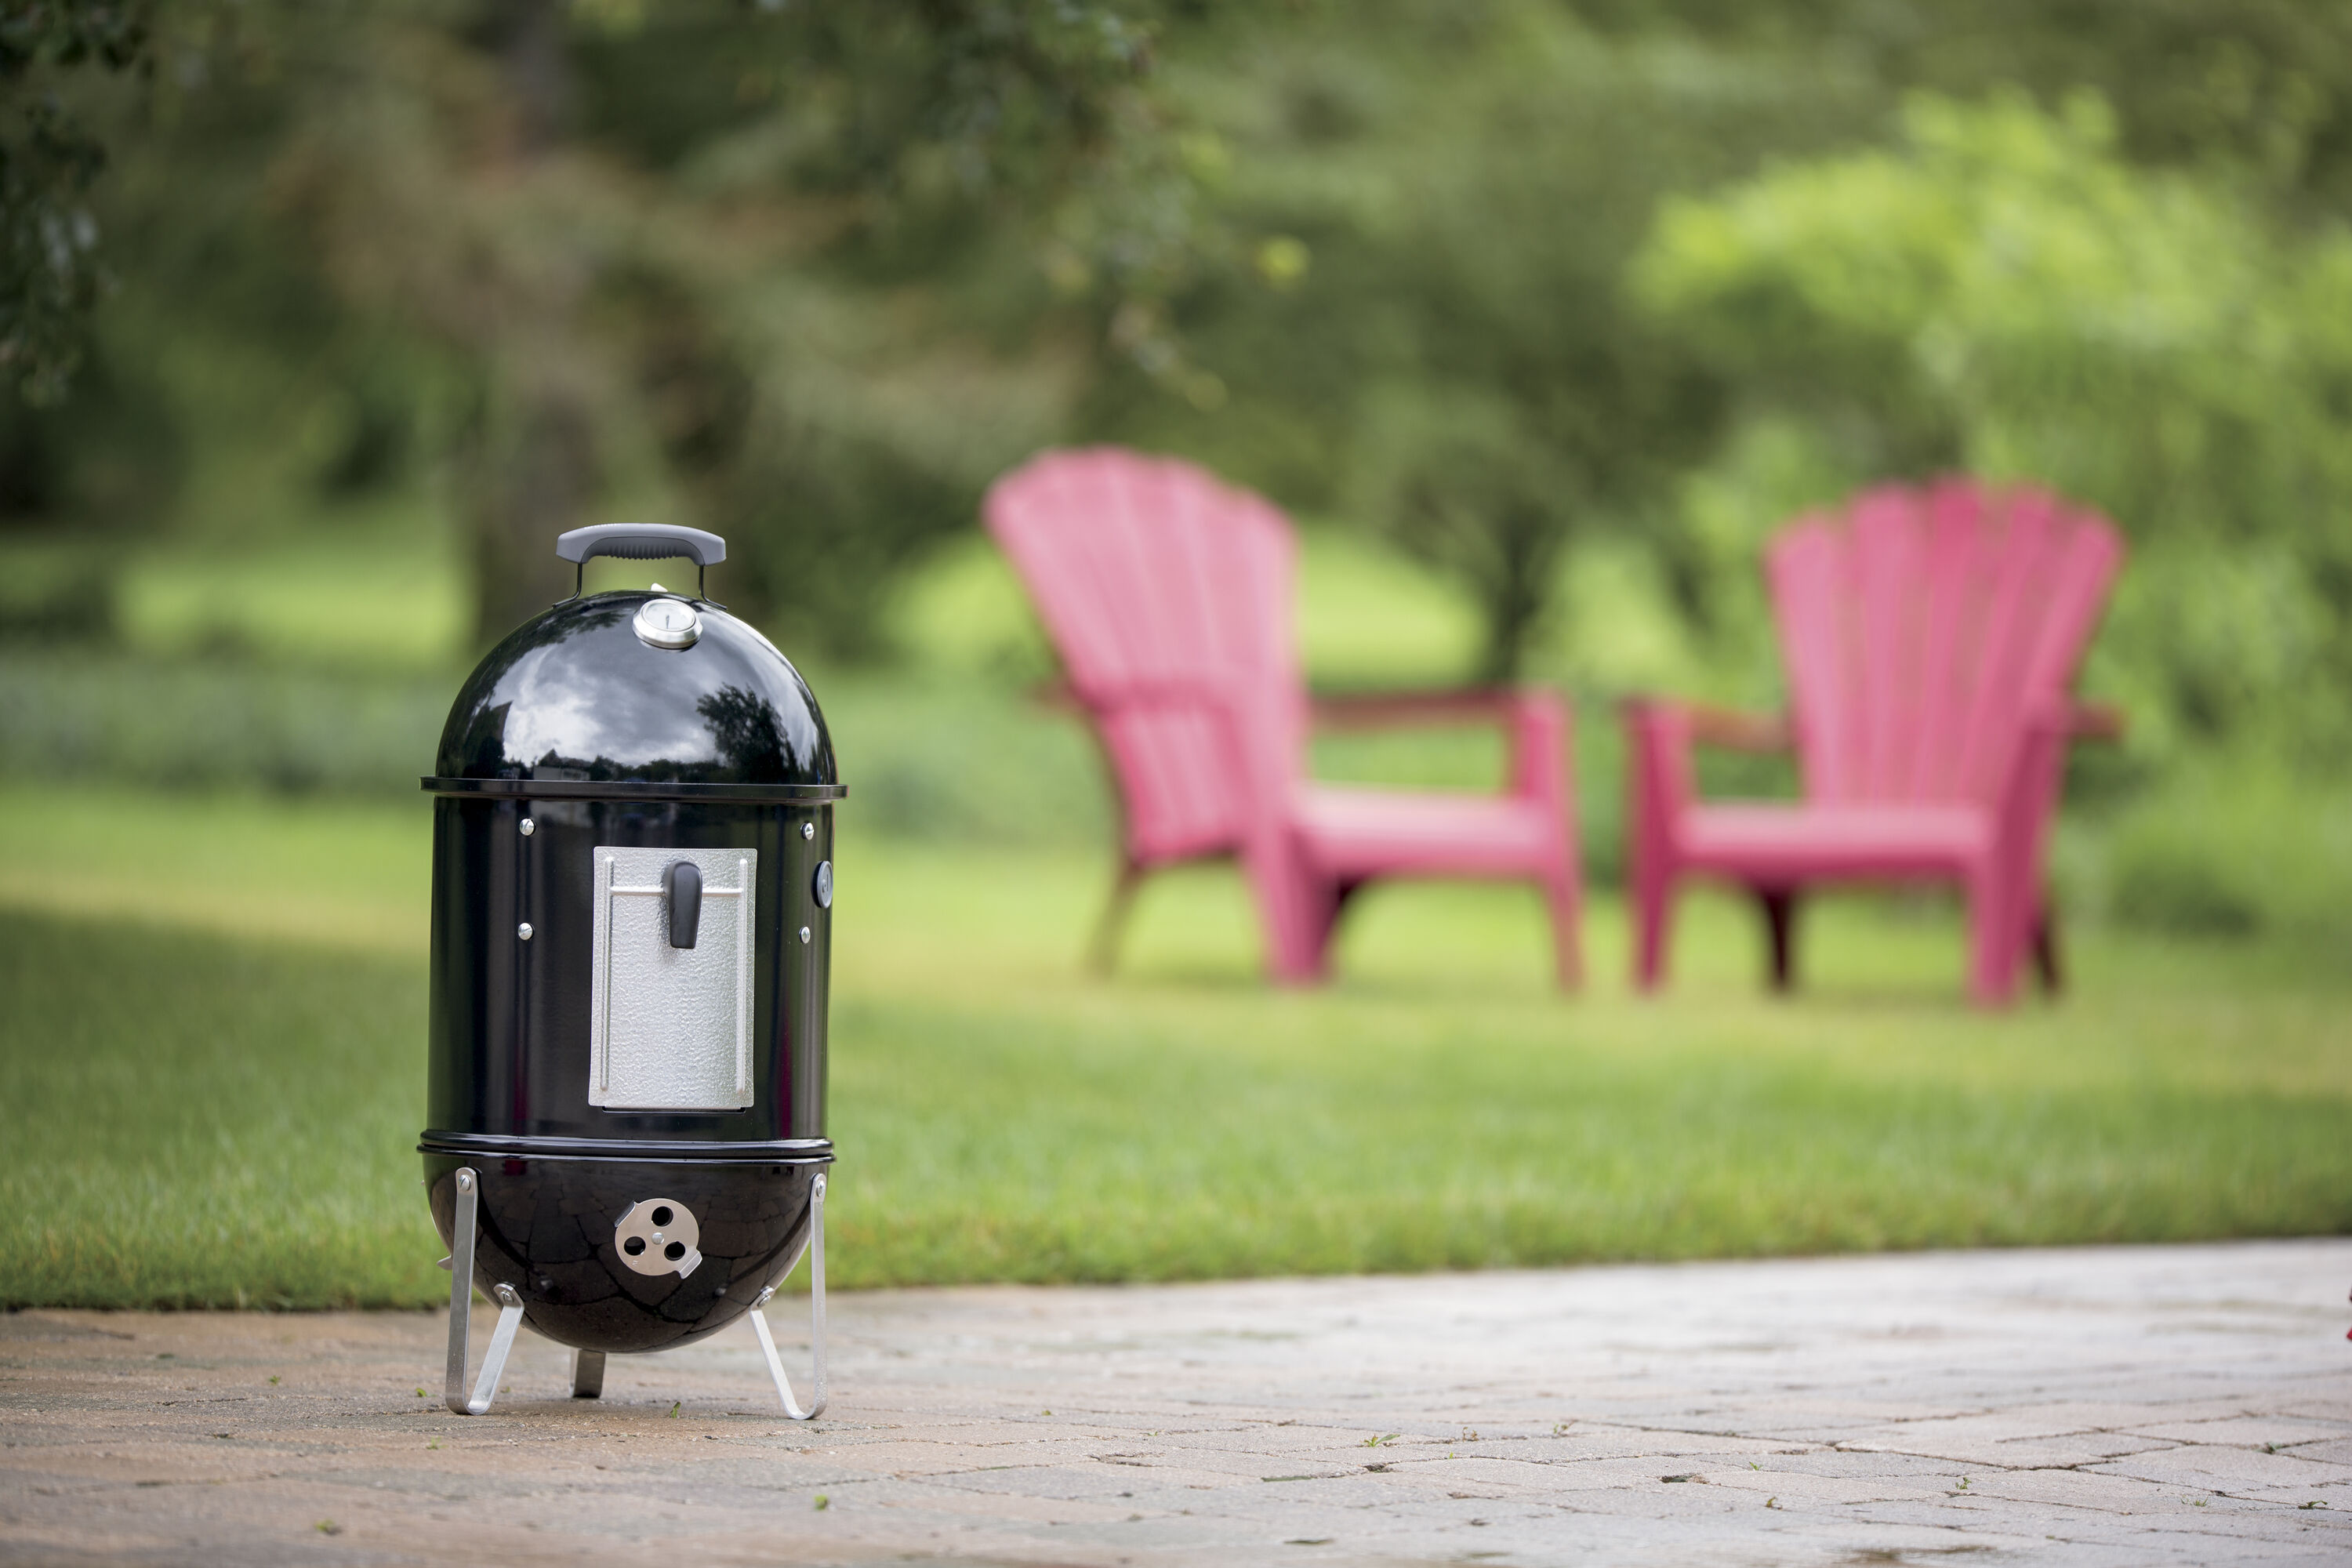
(2126, 1406)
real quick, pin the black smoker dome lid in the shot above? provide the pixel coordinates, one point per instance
(588, 699)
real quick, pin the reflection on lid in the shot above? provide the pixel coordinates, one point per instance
(575, 695)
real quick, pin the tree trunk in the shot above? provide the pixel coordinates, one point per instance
(1528, 541)
(529, 484)
(534, 471)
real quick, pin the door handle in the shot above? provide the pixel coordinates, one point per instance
(682, 890)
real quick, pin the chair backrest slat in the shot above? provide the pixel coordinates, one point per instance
(1887, 579)
(1149, 570)
(1949, 640)
(1922, 628)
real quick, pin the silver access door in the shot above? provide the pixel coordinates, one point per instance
(670, 1026)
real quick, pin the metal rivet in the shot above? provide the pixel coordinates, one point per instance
(805, 935)
(808, 830)
(529, 827)
(523, 930)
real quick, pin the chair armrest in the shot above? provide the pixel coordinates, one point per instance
(1401, 710)
(1533, 718)
(2096, 722)
(1662, 733)
(2067, 719)
(1730, 730)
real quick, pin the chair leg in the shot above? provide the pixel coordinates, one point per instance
(2047, 961)
(1299, 931)
(1564, 891)
(1327, 916)
(1102, 952)
(1296, 905)
(1994, 944)
(1780, 907)
(1654, 917)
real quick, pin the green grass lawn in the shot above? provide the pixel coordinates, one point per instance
(211, 1024)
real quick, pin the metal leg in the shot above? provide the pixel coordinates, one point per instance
(461, 1303)
(587, 1374)
(816, 1316)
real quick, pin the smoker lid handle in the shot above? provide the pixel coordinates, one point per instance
(641, 542)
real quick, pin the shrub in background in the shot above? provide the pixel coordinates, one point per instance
(2002, 293)
(2236, 849)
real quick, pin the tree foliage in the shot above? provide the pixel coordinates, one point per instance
(766, 262)
(2002, 293)
(1412, 317)
(1494, 278)
(49, 270)
(808, 274)
(1419, 317)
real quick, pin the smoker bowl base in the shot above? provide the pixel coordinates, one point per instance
(588, 1365)
(547, 1227)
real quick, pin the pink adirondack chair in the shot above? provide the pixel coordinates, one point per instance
(1931, 637)
(1168, 596)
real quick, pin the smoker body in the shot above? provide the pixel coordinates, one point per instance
(631, 915)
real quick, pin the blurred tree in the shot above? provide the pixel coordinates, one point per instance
(2256, 87)
(2002, 292)
(49, 272)
(940, 181)
(1416, 317)
(787, 255)
(94, 448)
(809, 275)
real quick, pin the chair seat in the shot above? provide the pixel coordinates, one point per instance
(1351, 833)
(1797, 844)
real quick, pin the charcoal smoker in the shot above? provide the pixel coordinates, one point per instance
(631, 916)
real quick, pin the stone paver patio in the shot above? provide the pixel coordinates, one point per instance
(2096, 1406)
